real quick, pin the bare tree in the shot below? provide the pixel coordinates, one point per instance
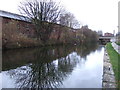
(43, 14)
(68, 19)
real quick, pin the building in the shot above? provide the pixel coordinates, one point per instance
(18, 31)
(100, 33)
(108, 34)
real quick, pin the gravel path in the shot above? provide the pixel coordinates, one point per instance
(116, 47)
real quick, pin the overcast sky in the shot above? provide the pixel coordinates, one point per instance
(97, 14)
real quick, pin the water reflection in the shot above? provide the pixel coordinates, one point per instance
(44, 67)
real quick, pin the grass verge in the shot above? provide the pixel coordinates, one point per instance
(114, 59)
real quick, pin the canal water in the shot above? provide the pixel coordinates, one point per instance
(53, 67)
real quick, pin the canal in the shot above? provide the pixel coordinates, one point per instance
(53, 67)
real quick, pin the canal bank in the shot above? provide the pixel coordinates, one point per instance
(111, 66)
(108, 74)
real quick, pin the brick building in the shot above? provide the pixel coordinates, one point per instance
(24, 27)
(108, 34)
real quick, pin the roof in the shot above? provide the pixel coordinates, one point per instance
(12, 15)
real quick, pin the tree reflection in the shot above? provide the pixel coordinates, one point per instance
(85, 49)
(48, 67)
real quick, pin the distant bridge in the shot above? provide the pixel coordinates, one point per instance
(104, 40)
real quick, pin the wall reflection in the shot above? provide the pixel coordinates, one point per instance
(43, 67)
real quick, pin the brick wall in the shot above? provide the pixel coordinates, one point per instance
(57, 36)
(24, 27)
